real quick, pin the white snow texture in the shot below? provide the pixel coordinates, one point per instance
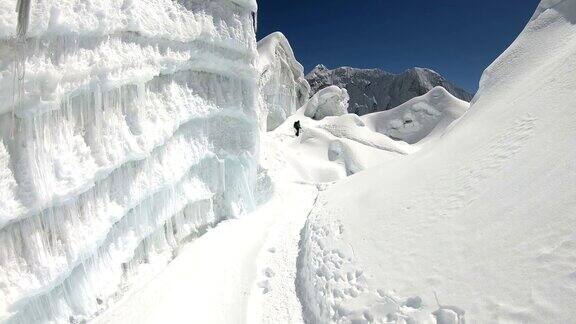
(127, 127)
(420, 118)
(330, 101)
(283, 87)
(478, 225)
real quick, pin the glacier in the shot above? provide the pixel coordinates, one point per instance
(150, 172)
(127, 127)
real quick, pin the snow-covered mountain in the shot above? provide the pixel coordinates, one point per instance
(126, 129)
(373, 90)
(477, 226)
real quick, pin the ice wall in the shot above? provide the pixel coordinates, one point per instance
(283, 87)
(126, 128)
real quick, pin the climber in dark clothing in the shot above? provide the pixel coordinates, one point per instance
(297, 128)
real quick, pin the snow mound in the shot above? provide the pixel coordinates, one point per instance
(479, 225)
(282, 85)
(335, 147)
(126, 129)
(418, 118)
(330, 101)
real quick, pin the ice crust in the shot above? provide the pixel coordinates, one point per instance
(126, 128)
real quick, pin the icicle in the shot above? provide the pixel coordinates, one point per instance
(23, 10)
(255, 21)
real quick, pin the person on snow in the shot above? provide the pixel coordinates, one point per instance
(297, 127)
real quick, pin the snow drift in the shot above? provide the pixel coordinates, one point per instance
(477, 226)
(335, 147)
(282, 85)
(416, 119)
(335, 144)
(126, 128)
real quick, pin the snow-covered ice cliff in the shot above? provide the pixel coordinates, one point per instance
(330, 101)
(126, 128)
(477, 226)
(283, 87)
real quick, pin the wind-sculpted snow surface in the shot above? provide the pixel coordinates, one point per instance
(126, 128)
(283, 88)
(477, 226)
(334, 144)
(335, 147)
(423, 117)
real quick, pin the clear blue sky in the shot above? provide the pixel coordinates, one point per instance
(457, 38)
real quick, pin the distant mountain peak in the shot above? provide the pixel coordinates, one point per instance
(320, 67)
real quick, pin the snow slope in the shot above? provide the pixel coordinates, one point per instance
(283, 89)
(334, 144)
(477, 225)
(127, 127)
(423, 117)
(334, 147)
(231, 274)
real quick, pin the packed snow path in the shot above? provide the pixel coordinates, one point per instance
(243, 270)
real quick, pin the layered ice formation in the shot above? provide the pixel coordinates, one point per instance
(126, 128)
(283, 87)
